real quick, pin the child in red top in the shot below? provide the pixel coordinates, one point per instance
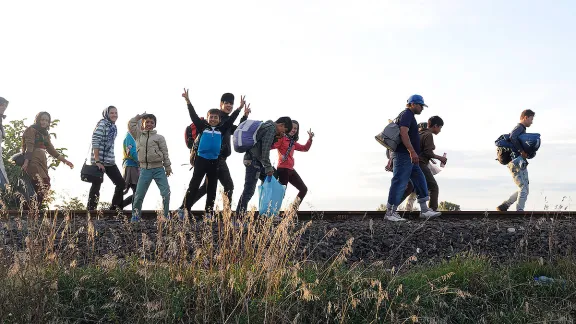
(286, 173)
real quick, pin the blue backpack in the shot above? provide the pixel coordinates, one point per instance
(245, 135)
(505, 149)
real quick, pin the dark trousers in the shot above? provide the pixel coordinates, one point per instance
(114, 174)
(432, 186)
(292, 177)
(225, 179)
(202, 167)
(129, 199)
(41, 188)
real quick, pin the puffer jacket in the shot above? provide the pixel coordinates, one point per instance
(151, 147)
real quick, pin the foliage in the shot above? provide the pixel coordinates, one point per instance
(73, 203)
(448, 206)
(12, 145)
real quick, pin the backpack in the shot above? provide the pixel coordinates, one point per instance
(390, 136)
(503, 155)
(245, 135)
(194, 151)
(191, 134)
(504, 148)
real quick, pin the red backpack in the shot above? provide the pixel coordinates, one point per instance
(190, 134)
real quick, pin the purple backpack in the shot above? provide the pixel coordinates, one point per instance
(245, 135)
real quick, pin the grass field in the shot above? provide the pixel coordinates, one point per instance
(252, 274)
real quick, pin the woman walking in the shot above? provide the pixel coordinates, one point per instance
(35, 144)
(102, 155)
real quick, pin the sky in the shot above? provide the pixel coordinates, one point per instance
(340, 68)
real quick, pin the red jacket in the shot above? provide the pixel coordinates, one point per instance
(282, 146)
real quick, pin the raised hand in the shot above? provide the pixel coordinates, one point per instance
(242, 102)
(185, 95)
(247, 110)
(310, 133)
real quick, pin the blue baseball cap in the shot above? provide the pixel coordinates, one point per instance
(417, 99)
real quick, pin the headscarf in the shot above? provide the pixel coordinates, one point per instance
(36, 125)
(112, 130)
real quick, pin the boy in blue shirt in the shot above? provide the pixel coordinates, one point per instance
(210, 131)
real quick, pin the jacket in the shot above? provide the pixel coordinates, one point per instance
(427, 146)
(282, 146)
(210, 143)
(102, 142)
(261, 150)
(150, 146)
(517, 131)
(130, 153)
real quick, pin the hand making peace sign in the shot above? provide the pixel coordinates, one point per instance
(310, 133)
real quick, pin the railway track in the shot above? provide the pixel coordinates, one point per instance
(327, 215)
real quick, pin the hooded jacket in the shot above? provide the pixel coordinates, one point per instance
(150, 146)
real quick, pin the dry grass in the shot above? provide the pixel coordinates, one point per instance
(249, 271)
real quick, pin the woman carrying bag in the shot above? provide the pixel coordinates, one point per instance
(35, 144)
(102, 156)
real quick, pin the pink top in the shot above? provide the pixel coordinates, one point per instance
(282, 146)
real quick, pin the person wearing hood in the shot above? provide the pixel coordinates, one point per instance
(35, 144)
(102, 155)
(3, 176)
(153, 159)
(226, 107)
(257, 159)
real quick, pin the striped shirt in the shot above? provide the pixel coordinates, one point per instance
(105, 145)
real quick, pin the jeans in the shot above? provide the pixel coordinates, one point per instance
(520, 176)
(146, 177)
(254, 170)
(403, 171)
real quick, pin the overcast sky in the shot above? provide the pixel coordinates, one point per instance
(342, 68)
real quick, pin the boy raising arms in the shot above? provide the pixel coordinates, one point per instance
(226, 106)
(208, 153)
(153, 159)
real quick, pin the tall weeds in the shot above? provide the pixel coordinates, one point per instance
(249, 270)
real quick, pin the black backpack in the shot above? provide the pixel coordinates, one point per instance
(504, 155)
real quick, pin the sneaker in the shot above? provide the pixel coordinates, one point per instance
(181, 213)
(394, 217)
(503, 207)
(430, 213)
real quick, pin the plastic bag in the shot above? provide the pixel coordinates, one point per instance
(271, 196)
(434, 168)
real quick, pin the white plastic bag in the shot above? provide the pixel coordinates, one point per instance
(434, 168)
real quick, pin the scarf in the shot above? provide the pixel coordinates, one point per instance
(2, 126)
(112, 129)
(285, 157)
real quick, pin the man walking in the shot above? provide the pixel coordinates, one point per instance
(406, 163)
(519, 165)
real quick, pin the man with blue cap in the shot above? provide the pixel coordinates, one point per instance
(406, 163)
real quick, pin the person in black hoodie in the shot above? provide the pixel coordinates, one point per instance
(226, 104)
(211, 132)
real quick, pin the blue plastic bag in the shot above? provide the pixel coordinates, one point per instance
(271, 196)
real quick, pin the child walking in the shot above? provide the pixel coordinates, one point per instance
(286, 172)
(154, 162)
